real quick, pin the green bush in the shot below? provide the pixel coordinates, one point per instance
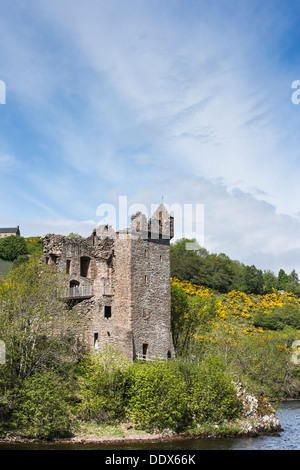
(11, 247)
(20, 260)
(103, 386)
(157, 396)
(34, 245)
(43, 407)
(212, 393)
(278, 318)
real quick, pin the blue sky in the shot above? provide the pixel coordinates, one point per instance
(187, 100)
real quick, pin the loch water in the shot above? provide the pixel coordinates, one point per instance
(289, 439)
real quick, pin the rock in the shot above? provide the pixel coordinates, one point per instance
(259, 416)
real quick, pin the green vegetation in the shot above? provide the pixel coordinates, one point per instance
(15, 250)
(43, 406)
(252, 334)
(50, 388)
(11, 247)
(220, 273)
(279, 318)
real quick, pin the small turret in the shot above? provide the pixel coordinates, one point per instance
(161, 224)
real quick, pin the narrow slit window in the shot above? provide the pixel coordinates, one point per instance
(145, 350)
(68, 266)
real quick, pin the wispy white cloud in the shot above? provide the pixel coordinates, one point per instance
(7, 163)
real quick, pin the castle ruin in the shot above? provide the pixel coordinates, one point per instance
(120, 281)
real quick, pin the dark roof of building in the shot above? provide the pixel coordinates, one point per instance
(9, 230)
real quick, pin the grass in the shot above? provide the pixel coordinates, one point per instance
(94, 431)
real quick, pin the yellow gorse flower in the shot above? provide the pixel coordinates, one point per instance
(235, 309)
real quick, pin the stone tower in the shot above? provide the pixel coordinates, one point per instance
(120, 281)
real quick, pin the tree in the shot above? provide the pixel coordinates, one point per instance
(216, 271)
(253, 280)
(189, 265)
(292, 284)
(74, 235)
(282, 279)
(11, 247)
(35, 324)
(221, 271)
(294, 276)
(179, 307)
(270, 281)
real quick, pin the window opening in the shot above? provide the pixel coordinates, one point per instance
(84, 266)
(53, 259)
(96, 340)
(107, 311)
(145, 350)
(68, 266)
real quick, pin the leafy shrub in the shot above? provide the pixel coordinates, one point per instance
(103, 386)
(20, 260)
(278, 318)
(34, 245)
(179, 307)
(157, 396)
(43, 407)
(212, 393)
(11, 247)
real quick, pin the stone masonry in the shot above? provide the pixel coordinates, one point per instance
(120, 282)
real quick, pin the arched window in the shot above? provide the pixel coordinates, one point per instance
(74, 288)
